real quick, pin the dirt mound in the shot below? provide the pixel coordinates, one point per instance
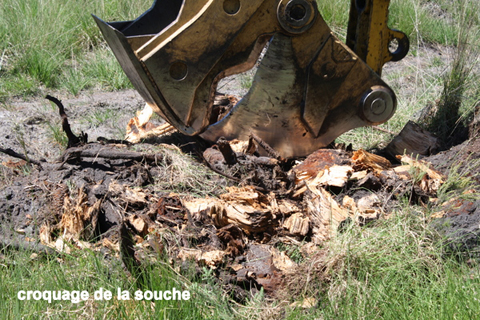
(460, 220)
(232, 211)
(110, 197)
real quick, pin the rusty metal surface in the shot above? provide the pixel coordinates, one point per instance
(309, 88)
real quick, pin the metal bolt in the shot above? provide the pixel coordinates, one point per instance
(296, 16)
(378, 105)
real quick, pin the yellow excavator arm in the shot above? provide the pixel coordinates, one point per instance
(309, 87)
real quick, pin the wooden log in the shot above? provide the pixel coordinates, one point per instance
(413, 140)
(99, 151)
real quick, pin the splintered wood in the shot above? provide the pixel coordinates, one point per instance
(140, 128)
(297, 224)
(430, 180)
(245, 207)
(236, 232)
(325, 213)
(363, 160)
(316, 211)
(328, 188)
(313, 210)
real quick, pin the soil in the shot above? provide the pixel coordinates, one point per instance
(31, 123)
(461, 223)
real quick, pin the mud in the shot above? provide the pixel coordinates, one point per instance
(461, 228)
(461, 223)
(463, 158)
(38, 197)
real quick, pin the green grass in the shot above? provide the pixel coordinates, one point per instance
(422, 21)
(394, 269)
(101, 116)
(87, 271)
(444, 36)
(56, 134)
(56, 45)
(461, 178)
(459, 82)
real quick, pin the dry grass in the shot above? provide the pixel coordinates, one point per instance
(183, 174)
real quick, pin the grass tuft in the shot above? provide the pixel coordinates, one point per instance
(55, 132)
(182, 174)
(447, 122)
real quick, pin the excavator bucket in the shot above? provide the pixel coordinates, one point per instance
(309, 87)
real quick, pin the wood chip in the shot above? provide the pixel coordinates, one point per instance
(306, 303)
(210, 258)
(318, 161)
(297, 224)
(139, 224)
(282, 262)
(139, 128)
(335, 176)
(430, 179)
(363, 160)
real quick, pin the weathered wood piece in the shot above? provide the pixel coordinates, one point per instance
(414, 141)
(100, 151)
